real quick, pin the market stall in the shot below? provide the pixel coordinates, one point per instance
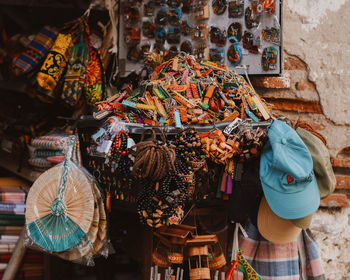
(171, 132)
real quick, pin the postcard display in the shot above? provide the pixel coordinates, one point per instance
(234, 33)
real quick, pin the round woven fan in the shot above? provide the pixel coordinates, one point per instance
(102, 227)
(85, 246)
(60, 208)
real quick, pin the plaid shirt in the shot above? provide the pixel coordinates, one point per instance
(297, 260)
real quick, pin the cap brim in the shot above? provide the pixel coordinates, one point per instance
(303, 223)
(293, 205)
(274, 228)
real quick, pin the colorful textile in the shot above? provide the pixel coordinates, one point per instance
(47, 153)
(55, 63)
(282, 261)
(95, 84)
(40, 162)
(37, 50)
(49, 142)
(75, 76)
(311, 266)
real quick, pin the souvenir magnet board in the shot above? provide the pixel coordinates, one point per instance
(233, 32)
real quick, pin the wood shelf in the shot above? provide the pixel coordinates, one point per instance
(7, 162)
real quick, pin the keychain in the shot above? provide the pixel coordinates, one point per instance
(185, 28)
(217, 55)
(269, 59)
(148, 9)
(250, 43)
(131, 15)
(234, 54)
(271, 34)
(174, 17)
(132, 36)
(217, 36)
(235, 8)
(162, 17)
(173, 35)
(174, 3)
(200, 32)
(148, 29)
(219, 6)
(251, 20)
(134, 54)
(234, 32)
(186, 47)
(160, 35)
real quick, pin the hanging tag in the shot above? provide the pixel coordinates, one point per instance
(177, 119)
(232, 126)
(102, 114)
(98, 134)
(104, 147)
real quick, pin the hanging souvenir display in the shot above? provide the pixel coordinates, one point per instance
(210, 25)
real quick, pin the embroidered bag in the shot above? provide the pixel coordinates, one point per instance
(95, 83)
(75, 76)
(55, 63)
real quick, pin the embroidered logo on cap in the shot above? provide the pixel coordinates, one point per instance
(290, 179)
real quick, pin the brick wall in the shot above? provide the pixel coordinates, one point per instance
(294, 96)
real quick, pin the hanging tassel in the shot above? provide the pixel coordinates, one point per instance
(224, 182)
(229, 184)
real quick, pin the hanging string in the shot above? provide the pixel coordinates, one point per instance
(111, 6)
(235, 245)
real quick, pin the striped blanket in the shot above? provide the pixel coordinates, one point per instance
(297, 260)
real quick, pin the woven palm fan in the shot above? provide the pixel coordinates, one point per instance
(60, 206)
(85, 247)
(102, 227)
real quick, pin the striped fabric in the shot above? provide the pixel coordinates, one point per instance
(297, 260)
(37, 50)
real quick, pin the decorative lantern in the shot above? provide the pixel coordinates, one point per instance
(159, 256)
(199, 262)
(218, 259)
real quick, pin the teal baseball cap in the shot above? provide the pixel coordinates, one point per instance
(286, 173)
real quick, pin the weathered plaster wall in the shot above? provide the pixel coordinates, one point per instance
(315, 87)
(317, 32)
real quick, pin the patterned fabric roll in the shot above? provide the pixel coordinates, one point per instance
(40, 162)
(37, 50)
(47, 153)
(55, 63)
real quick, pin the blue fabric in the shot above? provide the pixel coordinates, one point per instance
(39, 47)
(286, 174)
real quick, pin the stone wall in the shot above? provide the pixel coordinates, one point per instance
(315, 87)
